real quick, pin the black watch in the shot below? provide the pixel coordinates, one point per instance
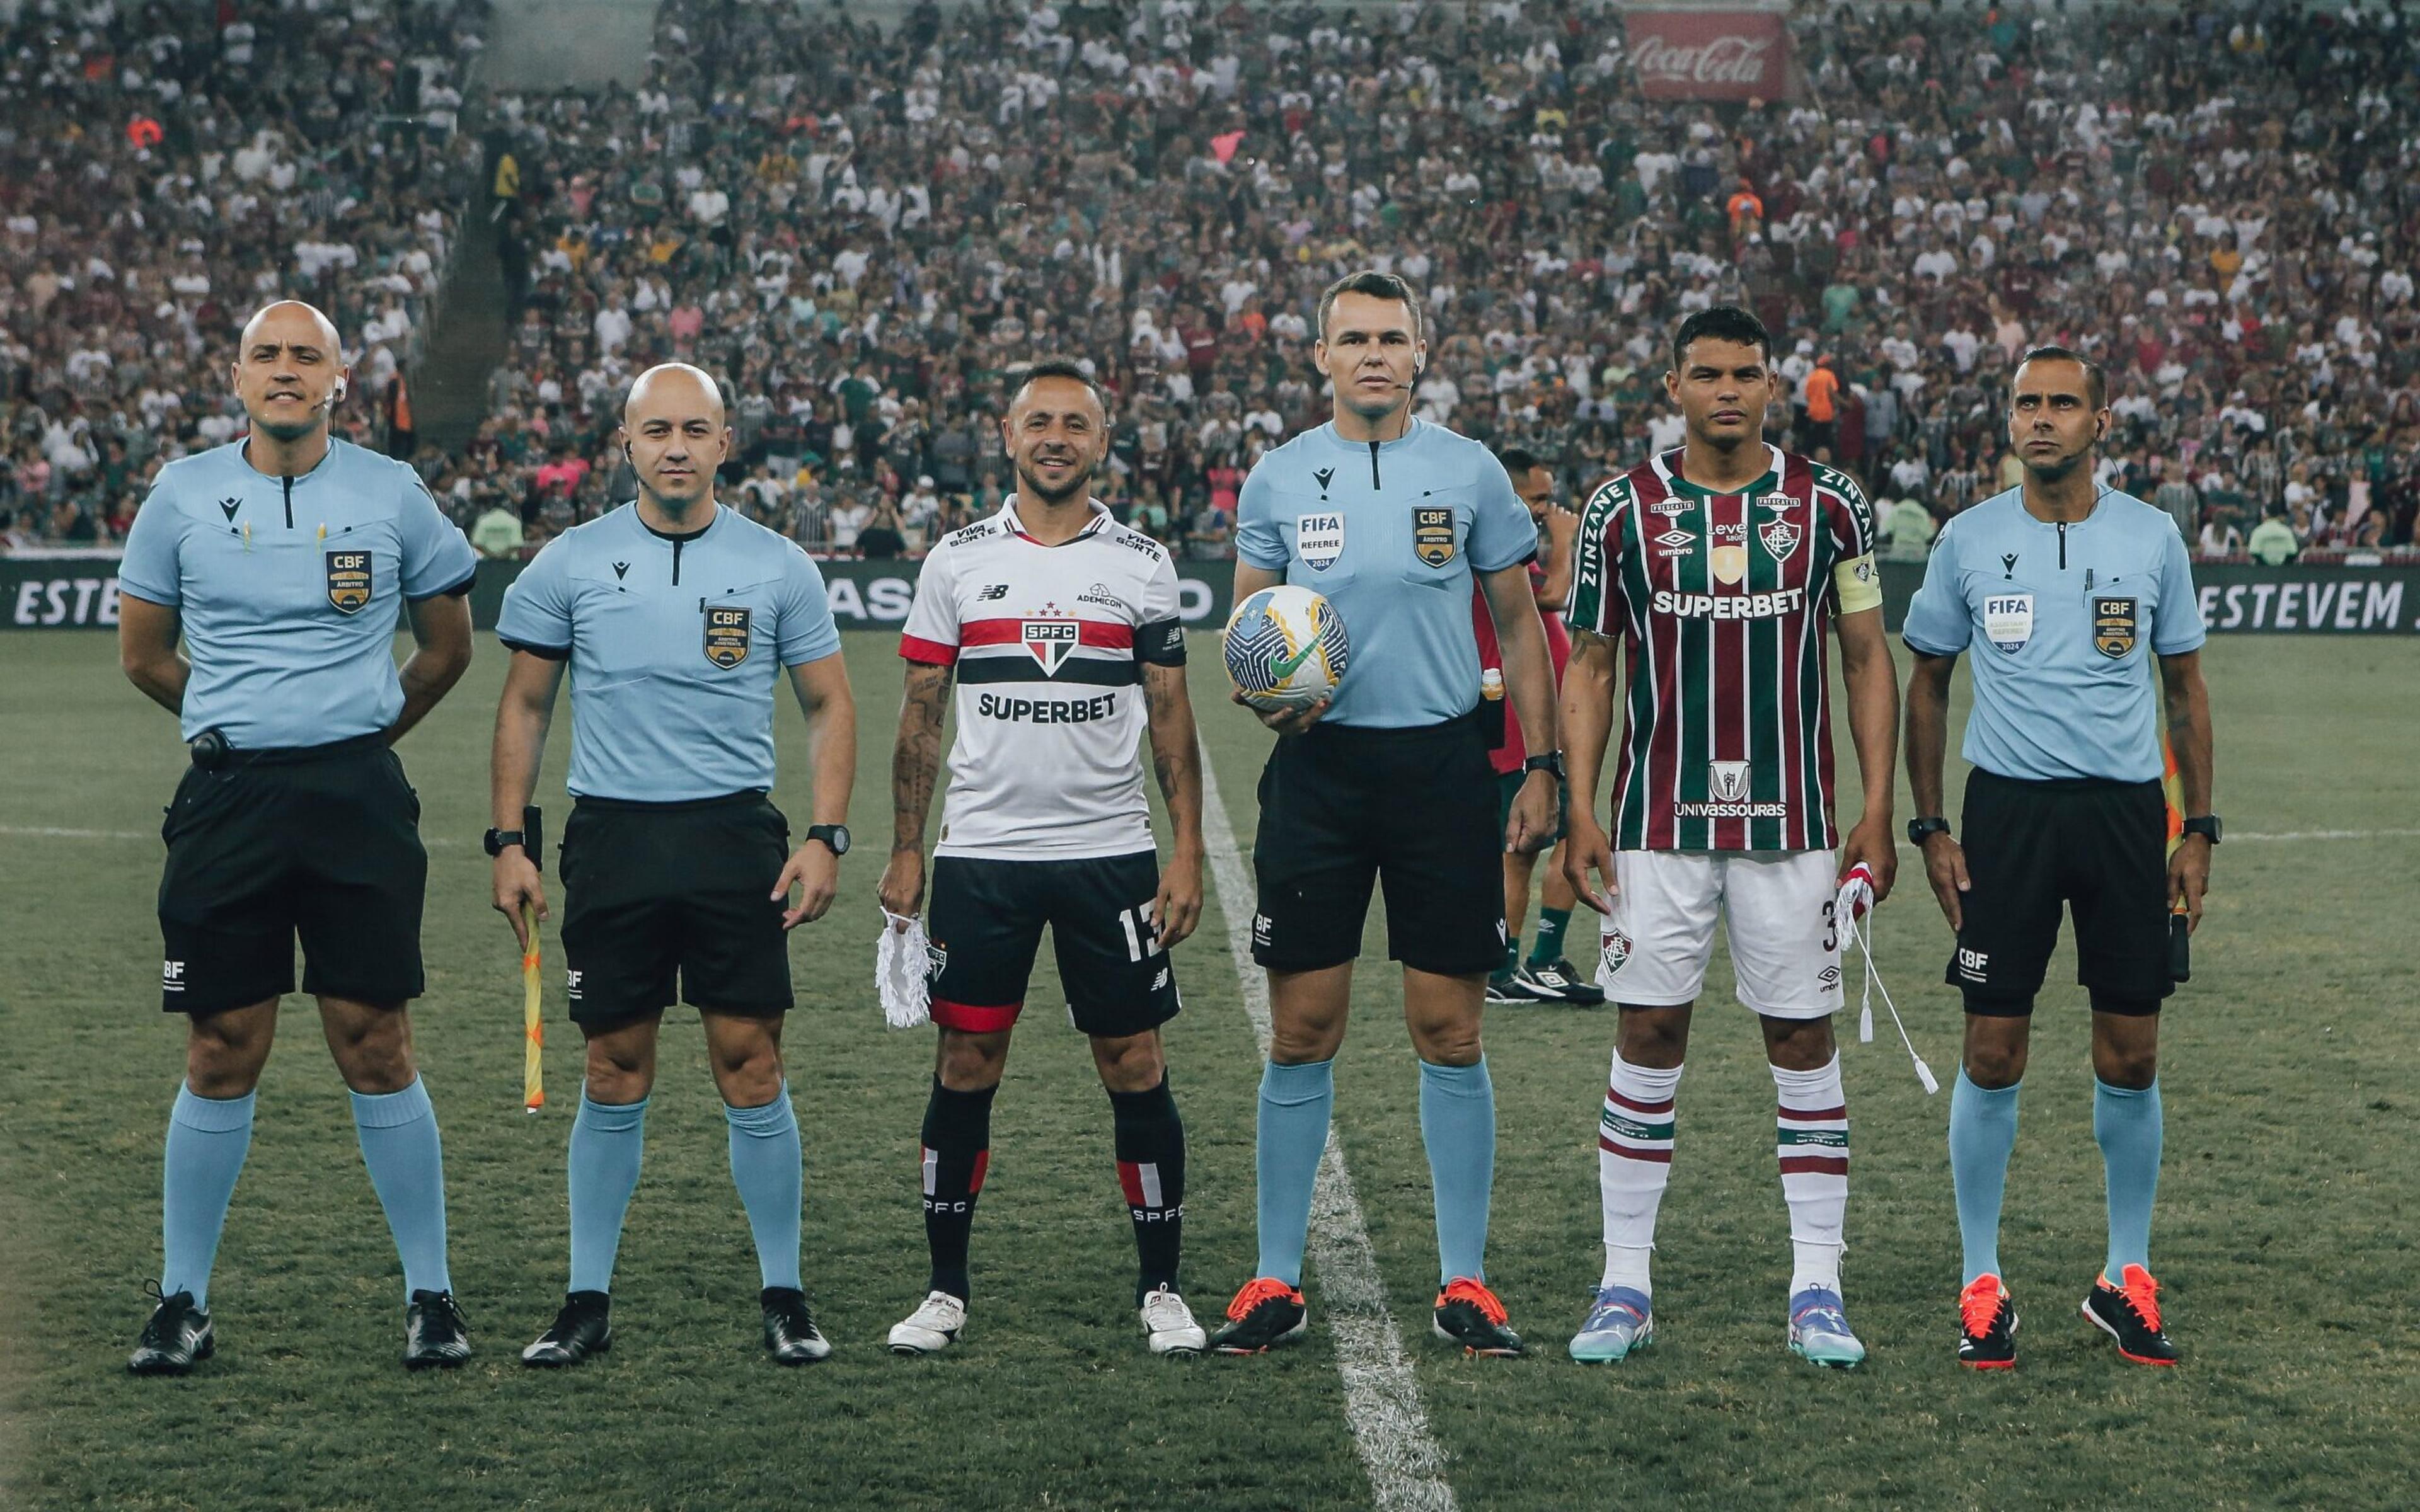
(498, 838)
(833, 835)
(2206, 825)
(1920, 830)
(1549, 762)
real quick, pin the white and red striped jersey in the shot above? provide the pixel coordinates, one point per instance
(1048, 642)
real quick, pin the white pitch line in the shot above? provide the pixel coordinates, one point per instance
(1382, 1397)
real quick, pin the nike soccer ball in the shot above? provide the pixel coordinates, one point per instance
(1285, 648)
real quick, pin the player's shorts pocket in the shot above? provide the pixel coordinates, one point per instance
(197, 794)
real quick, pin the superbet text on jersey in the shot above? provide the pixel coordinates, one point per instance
(1724, 598)
(1048, 642)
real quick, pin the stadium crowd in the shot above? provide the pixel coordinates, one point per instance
(164, 169)
(867, 231)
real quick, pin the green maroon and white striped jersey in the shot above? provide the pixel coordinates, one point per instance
(1724, 599)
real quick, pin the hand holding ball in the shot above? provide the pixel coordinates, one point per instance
(1285, 649)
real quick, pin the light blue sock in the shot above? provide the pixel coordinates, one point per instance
(1296, 1102)
(208, 1138)
(1458, 1125)
(406, 1161)
(2126, 1124)
(767, 1169)
(1982, 1130)
(605, 1141)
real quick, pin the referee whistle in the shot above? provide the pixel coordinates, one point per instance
(2180, 947)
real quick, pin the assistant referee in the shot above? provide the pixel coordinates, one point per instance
(675, 616)
(283, 559)
(1390, 519)
(2064, 596)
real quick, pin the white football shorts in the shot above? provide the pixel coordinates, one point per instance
(1776, 911)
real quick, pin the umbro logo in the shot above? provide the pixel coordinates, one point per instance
(992, 593)
(1677, 539)
(229, 506)
(1322, 477)
(620, 570)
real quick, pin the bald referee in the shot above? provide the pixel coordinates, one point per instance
(1394, 519)
(284, 560)
(2065, 595)
(676, 617)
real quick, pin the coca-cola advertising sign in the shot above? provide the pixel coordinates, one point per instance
(1710, 54)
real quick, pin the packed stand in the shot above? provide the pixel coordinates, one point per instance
(166, 168)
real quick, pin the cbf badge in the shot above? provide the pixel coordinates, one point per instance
(726, 636)
(2112, 625)
(2008, 621)
(1432, 536)
(349, 581)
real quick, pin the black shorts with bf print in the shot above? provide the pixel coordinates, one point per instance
(2099, 847)
(321, 841)
(675, 900)
(984, 924)
(1412, 810)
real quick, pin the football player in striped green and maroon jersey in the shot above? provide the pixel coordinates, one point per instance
(1718, 569)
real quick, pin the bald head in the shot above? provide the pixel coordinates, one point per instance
(675, 391)
(290, 370)
(674, 434)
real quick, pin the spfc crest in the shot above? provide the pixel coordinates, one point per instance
(349, 581)
(1726, 781)
(1781, 538)
(1051, 642)
(2113, 624)
(1432, 536)
(726, 635)
(937, 958)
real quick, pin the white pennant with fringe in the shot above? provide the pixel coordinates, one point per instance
(1851, 909)
(899, 960)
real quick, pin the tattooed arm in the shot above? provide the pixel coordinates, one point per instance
(915, 761)
(1176, 761)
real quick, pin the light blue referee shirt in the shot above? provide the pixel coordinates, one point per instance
(675, 644)
(2063, 621)
(288, 589)
(1389, 533)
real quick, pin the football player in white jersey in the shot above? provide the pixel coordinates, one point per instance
(1060, 628)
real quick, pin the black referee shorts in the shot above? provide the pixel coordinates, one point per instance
(322, 841)
(2100, 848)
(672, 901)
(1412, 810)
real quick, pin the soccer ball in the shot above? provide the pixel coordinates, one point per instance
(1285, 648)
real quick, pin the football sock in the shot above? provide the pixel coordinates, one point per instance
(607, 1140)
(208, 1138)
(1151, 1170)
(1549, 948)
(406, 1164)
(1458, 1125)
(767, 1169)
(1982, 1131)
(1512, 955)
(1633, 1161)
(2126, 1124)
(1296, 1102)
(1812, 1140)
(957, 1151)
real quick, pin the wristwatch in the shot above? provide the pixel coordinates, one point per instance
(498, 838)
(1920, 830)
(833, 835)
(2206, 825)
(1547, 762)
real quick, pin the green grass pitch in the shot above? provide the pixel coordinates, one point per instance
(2285, 1235)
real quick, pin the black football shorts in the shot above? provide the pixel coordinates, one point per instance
(322, 843)
(984, 921)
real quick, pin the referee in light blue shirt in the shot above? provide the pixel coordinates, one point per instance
(1390, 519)
(2061, 597)
(676, 617)
(285, 561)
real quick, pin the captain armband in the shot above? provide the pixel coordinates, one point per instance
(1858, 584)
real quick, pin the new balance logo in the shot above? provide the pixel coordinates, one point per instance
(993, 593)
(171, 976)
(1159, 981)
(621, 569)
(1322, 477)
